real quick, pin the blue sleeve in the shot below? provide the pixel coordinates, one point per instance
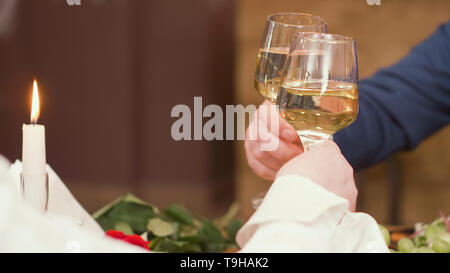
(401, 105)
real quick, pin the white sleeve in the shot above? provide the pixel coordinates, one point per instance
(298, 215)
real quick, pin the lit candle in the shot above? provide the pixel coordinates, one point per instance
(33, 148)
(34, 174)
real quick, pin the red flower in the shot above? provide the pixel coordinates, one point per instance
(116, 234)
(132, 239)
(137, 240)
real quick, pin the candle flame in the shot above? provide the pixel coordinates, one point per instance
(35, 104)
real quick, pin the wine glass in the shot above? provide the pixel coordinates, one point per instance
(278, 34)
(318, 94)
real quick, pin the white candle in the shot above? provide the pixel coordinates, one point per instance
(33, 145)
(33, 149)
(34, 175)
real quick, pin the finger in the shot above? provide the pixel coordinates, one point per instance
(268, 116)
(284, 151)
(276, 124)
(255, 149)
(274, 159)
(260, 169)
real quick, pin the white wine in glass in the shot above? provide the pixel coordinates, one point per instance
(317, 111)
(268, 71)
(278, 34)
(319, 90)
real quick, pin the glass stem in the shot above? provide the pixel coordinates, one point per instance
(310, 138)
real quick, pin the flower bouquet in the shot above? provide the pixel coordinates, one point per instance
(173, 230)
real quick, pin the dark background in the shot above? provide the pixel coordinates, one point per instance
(109, 73)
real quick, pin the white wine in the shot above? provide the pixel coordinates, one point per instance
(319, 108)
(269, 70)
(270, 66)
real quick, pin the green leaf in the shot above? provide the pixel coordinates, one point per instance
(188, 230)
(160, 227)
(133, 199)
(172, 246)
(133, 214)
(107, 223)
(176, 233)
(211, 232)
(435, 231)
(124, 227)
(211, 237)
(194, 239)
(386, 234)
(196, 248)
(155, 242)
(179, 214)
(129, 209)
(214, 247)
(233, 228)
(106, 208)
(190, 234)
(420, 240)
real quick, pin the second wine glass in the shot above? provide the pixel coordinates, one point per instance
(278, 34)
(318, 94)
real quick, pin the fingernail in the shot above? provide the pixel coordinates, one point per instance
(289, 135)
